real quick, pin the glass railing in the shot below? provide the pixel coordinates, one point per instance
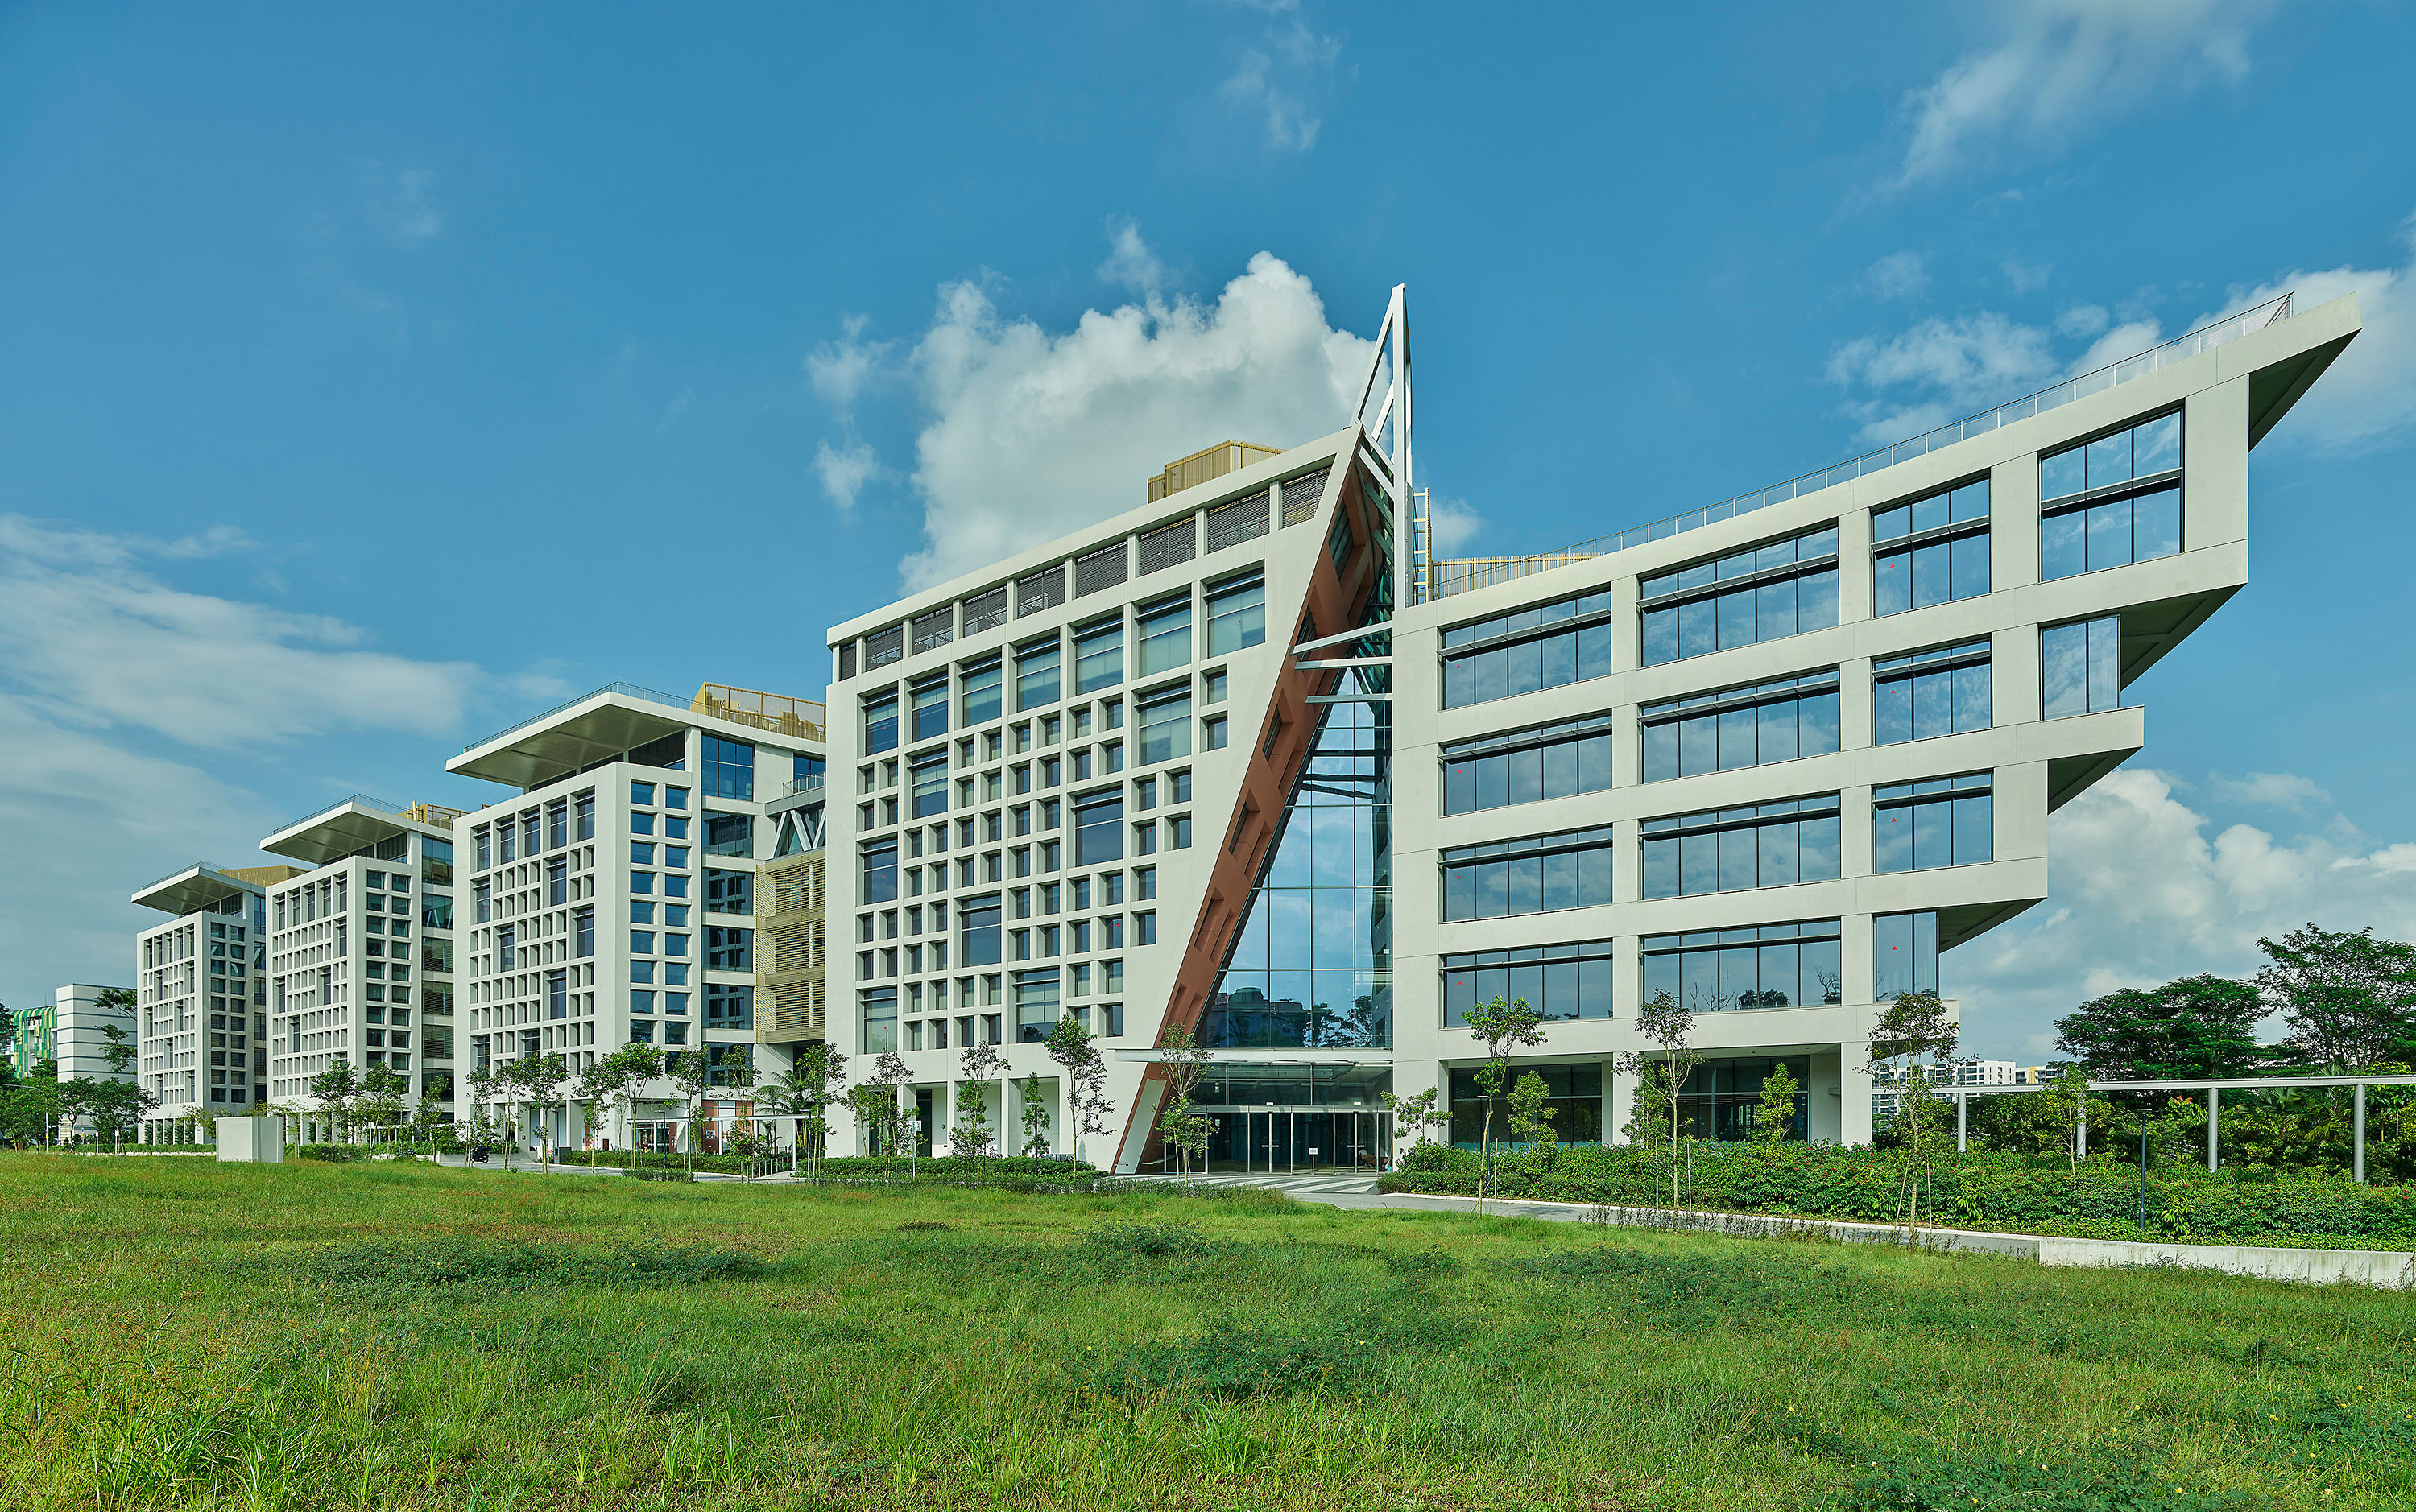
(1446, 579)
(803, 785)
(628, 690)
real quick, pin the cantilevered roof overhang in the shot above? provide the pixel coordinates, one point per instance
(352, 826)
(196, 887)
(596, 727)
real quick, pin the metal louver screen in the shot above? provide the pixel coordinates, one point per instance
(986, 611)
(934, 629)
(1163, 547)
(1300, 495)
(1243, 519)
(1103, 568)
(1042, 590)
(883, 646)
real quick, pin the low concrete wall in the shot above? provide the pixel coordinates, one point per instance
(2393, 1269)
(259, 1141)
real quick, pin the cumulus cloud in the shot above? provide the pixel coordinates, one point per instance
(1454, 521)
(845, 469)
(2061, 67)
(842, 371)
(1130, 260)
(94, 639)
(2268, 790)
(1953, 367)
(2367, 399)
(1278, 80)
(1897, 276)
(2145, 890)
(1031, 433)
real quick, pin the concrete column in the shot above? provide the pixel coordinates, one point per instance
(1854, 1097)
(2213, 1114)
(2359, 1157)
(1962, 1121)
(1618, 1104)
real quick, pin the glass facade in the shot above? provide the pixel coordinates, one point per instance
(1931, 693)
(1558, 982)
(1932, 550)
(1725, 850)
(1311, 965)
(1748, 727)
(2111, 501)
(1572, 1100)
(1539, 875)
(1521, 652)
(1722, 1099)
(1775, 965)
(1904, 955)
(1786, 588)
(1553, 761)
(1946, 821)
(2080, 667)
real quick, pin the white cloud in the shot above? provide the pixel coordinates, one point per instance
(95, 640)
(1030, 434)
(842, 370)
(1897, 276)
(844, 470)
(2367, 399)
(1278, 80)
(2062, 66)
(2027, 276)
(398, 206)
(1131, 262)
(2268, 790)
(1955, 366)
(1455, 523)
(2142, 893)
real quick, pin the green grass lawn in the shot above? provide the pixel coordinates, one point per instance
(186, 1333)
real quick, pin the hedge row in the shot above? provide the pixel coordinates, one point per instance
(1970, 1190)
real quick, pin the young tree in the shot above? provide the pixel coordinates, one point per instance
(1915, 1026)
(1501, 1027)
(1086, 1080)
(1531, 1121)
(1776, 1119)
(1184, 1060)
(2349, 1001)
(1669, 1025)
(589, 1092)
(692, 1073)
(383, 1095)
(1036, 1120)
(972, 1135)
(633, 1066)
(338, 1088)
(1412, 1115)
(540, 1078)
(2202, 1026)
(803, 1093)
(115, 1108)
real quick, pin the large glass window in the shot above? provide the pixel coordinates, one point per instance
(1099, 656)
(930, 778)
(1165, 727)
(728, 768)
(728, 835)
(1749, 726)
(1728, 850)
(880, 875)
(1036, 676)
(2113, 501)
(1942, 692)
(1165, 637)
(1946, 821)
(1904, 955)
(1558, 982)
(1523, 652)
(1036, 1005)
(1775, 965)
(878, 1006)
(977, 932)
(1553, 761)
(880, 723)
(1572, 1098)
(1786, 588)
(728, 893)
(728, 949)
(982, 692)
(1541, 873)
(1100, 828)
(729, 1006)
(2080, 667)
(1932, 550)
(1237, 616)
(931, 708)
(1721, 1099)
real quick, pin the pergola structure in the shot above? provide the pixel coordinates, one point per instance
(2213, 1088)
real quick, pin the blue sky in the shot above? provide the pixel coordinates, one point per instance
(370, 381)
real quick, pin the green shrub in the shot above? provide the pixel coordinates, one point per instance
(332, 1154)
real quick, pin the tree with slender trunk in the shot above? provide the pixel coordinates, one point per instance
(803, 1093)
(1502, 1027)
(1531, 1118)
(1086, 1080)
(692, 1073)
(541, 1077)
(1036, 1120)
(1774, 1118)
(1185, 1059)
(590, 1091)
(1915, 1026)
(338, 1088)
(384, 1095)
(633, 1066)
(1669, 1026)
(971, 1134)
(1414, 1115)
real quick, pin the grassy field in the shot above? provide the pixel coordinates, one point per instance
(182, 1333)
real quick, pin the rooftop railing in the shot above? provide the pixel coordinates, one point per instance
(1465, 574)
(803, 785)
(628, 690)
(799, 718)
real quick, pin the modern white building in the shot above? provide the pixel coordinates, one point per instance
(201, 985)
(360, 949)
(1198, 765)
(610, 899)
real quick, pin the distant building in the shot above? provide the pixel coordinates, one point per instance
(202, 995)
